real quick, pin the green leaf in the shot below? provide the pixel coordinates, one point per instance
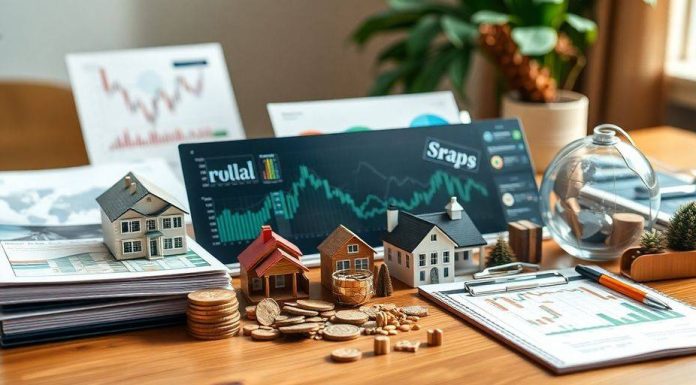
(407, 5)
(458, 31)
(583, 25)
(396, 51)
(384, 22)
(535, 41)
(433, 71)
(489, 17)
(421, 35)
(458, 70)
(386, 81)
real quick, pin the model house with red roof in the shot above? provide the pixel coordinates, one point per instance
(271, 267)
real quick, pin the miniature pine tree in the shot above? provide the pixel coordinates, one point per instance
(653, 242)
(384, 286)
(681, 234)
(501, 254)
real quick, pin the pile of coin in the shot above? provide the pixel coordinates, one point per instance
(213, 314)
(318, 320)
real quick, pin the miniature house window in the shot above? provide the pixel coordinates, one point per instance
(167, 243)
(342, 264)
(408, 262)
(361, 263)
(456, 257)
(421, 260)
(256, 284)
(446, 272)
(178, 242)
(422, 276)
(398, 257)
(151, 225)
(465, 255)
(132, 247)
(177, 222)
(389, 252)
(445, 257)
(353, 248)
(433, 237)
(279, 281)
(130, 226)
(433, 258)
(166, 223)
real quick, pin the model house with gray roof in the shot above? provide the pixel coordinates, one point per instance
(139, 220)
(431, 248)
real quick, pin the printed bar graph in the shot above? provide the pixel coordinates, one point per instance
(564, 310)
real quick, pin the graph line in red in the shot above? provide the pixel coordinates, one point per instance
(150, 110)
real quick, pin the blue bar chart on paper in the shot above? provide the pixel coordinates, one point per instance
(304, 187)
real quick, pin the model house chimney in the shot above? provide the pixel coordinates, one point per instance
(266, 233)
(127, 181)
(132, 188)
(392, 218)
(454, 209)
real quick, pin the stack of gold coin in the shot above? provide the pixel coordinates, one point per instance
(213, 314)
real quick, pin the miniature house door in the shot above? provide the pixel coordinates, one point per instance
(153, 247)
(434, 275)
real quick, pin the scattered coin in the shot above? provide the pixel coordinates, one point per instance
(315, 304)
(248, 328)
(415, 310)
(298, 311)
(341, 332)
(211, 297)
(299, 328)
(407, 346)
(231, 306)
(264, 335)
(346, 355)
(354, 317)
(327, 314)
(266, 311)
(315, 319)
(290, 321)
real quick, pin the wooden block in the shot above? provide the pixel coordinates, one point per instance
(518, 236)
(407, 346)
(534, 241)
(382, 345)
(434, 337)
(626, 229)
(655, 267)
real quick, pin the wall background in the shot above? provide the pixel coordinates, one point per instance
(276, 50)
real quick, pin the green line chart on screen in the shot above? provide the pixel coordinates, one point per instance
(310, 189)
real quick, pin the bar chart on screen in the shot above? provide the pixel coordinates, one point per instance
(141, 103)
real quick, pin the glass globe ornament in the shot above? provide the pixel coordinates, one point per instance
(594, 194)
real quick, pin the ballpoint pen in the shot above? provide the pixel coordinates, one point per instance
(621, 287)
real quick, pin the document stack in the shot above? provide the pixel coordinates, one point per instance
(55, 290)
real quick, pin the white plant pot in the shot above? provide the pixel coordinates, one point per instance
(549, 126)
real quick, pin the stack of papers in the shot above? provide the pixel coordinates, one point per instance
(61, 289)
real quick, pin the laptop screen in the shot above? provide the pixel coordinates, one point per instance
(305, 186)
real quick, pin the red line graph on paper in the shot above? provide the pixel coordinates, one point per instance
(129, 140)
(150, 109)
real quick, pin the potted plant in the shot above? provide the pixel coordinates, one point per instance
(538, 46)
(665, 256)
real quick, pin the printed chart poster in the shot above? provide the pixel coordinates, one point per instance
(363, 114)
(141, 103)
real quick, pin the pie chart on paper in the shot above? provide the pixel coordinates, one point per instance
(426, 120)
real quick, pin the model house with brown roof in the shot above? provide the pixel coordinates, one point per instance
(271, 267)
(341, 250)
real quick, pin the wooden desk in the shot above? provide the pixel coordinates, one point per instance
(169, 356)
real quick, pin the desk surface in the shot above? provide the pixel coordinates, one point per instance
(169, 356)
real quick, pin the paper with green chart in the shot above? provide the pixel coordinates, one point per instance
(575, 325)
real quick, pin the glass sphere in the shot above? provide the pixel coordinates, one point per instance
(590, 191)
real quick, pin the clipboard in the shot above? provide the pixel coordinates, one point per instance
(567, 323)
